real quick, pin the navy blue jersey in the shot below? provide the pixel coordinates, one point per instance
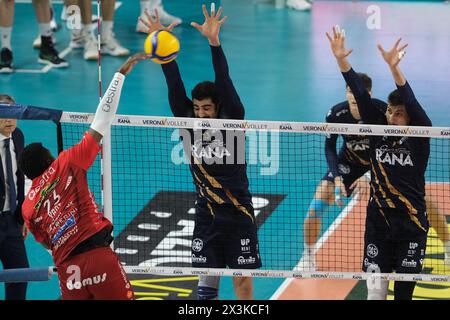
(354, 149)
(217, 157)
(398, 164)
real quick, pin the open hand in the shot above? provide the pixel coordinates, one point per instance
(337, 43)
(211, 26)
(395, 55)
(131, 62)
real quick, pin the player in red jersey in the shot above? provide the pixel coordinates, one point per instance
(61, 212)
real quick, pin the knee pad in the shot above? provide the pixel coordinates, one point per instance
(377, 289)
(208, 288)
(317, 208)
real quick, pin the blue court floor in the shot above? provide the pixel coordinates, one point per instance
(279, 60)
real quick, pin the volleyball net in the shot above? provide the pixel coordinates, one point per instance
(149, 191)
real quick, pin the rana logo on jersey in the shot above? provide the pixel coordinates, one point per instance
(391, 156)
(215, 149)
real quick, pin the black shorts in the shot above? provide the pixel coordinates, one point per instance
(350, 172)
(393, 241)
(225, 236)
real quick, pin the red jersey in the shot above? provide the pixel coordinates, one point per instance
(60, 209)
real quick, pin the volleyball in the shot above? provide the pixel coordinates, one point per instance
(162, 45)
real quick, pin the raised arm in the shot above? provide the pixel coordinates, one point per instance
(107, 107)
(415, 111)
(355, 83)
(231, 105)
(180, 104)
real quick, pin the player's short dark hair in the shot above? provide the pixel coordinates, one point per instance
(395, 99)
(205, 90)
(366, 79)
(6, 99)
(34, 160)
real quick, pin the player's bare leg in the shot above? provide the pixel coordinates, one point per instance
(109, 44)
(47, 54)
(323, 197)
(439, 224)
(243, 287)
(6, 23)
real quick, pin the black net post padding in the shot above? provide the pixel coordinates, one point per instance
(59, 137)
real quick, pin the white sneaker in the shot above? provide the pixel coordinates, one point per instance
(140, 27)
(77, 39)
(308, 262)
(165, 17)
(300, 5)
(90, 48)
(37, 41)
(112, 47)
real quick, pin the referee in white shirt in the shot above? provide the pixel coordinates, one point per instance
(12, 181)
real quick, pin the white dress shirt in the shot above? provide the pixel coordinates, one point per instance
(14, 167)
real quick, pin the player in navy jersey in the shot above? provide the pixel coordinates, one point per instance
(396, 222)
(225, 233)
(346, 169)
(347, 176)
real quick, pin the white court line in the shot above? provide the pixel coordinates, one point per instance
(321, 241)
(118, 3)
(46, 68)
(28, 71)
(29, 1)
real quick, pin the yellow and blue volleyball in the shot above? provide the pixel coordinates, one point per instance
(162, 46)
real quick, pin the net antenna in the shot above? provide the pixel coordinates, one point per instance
(105, 160)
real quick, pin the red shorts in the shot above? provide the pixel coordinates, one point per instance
(94, 275)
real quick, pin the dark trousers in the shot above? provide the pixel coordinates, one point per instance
(12, 254)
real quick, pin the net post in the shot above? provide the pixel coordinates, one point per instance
(59, 136)
(107, 178)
